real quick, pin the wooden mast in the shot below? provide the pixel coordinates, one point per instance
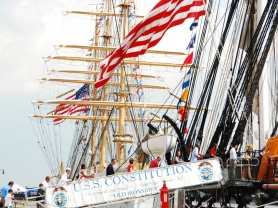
(106, 36)
(122, 94)
(94, 96)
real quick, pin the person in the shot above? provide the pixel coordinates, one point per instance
(155, 163)
(65, 178)
(5, 190)
(45, 182)
(82, 173)
(9, 199)
(213, 152)
(262, 152)
(110, 168)
(233, 161)
(40, 195)
(195, 153)
(130, 167)
(178, 158)
(248, 157)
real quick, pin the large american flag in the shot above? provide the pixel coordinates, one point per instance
(69, 109)
(148, 32)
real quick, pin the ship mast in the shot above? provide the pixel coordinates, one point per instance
(104, 110)
(94, 97)
(122, 94)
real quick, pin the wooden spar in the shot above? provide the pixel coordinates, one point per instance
(91, 118)
(61, 95)
(100, 14)
(90, 82)
(153, 114)
(112, 104)
(174, 95)
(107, 48)
(96, 73)
(125, 61)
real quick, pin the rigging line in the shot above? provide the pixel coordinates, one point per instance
(253, 59)
(44, 140)
(213, 69)
(56, 145)
(201, 129)
(40, 145)
(76, 145)
(221, 89)
(247, 107)
(48, 144)
(102, 132)
(75, 166)
(132, 110)
(227, 110)
(196, 62)
(45, 146)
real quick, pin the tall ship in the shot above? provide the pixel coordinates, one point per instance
(151, 79)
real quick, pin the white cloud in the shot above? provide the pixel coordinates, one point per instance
(24, 27)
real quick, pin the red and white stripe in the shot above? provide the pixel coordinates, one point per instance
(147, 33)
(68, 109)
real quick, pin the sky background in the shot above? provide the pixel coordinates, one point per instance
(28, 31)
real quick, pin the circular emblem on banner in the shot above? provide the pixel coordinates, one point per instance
(60, 199)
(206, 173)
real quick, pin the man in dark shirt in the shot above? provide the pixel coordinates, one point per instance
(110, 168)
(40, 196)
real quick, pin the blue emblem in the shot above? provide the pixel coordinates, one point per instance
(60, 199)
(206, 173)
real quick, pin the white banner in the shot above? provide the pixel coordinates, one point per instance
(135, 184)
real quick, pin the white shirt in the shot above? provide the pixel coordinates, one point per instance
(8, 200)
(195, 154)
(233, 155)
(64, 179)
(45, 184)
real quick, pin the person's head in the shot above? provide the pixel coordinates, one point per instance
(178, 154)
(11, 183)
(68, 170)
(47, 178)
(158, 158)
(249, 146)
(113, 161)
(131, 161)
(83, 166)
(41, 185)
(10, 191)
(197, 145)
(234, 145)
(214, 145)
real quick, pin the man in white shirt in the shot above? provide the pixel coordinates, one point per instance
(9, 199)
(65, 178)
(45, 182)
(195, 153)
(233, 161)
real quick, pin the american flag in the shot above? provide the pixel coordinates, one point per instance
(148, 32)
(69, 109)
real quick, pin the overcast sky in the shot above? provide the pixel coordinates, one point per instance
(28, 31)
